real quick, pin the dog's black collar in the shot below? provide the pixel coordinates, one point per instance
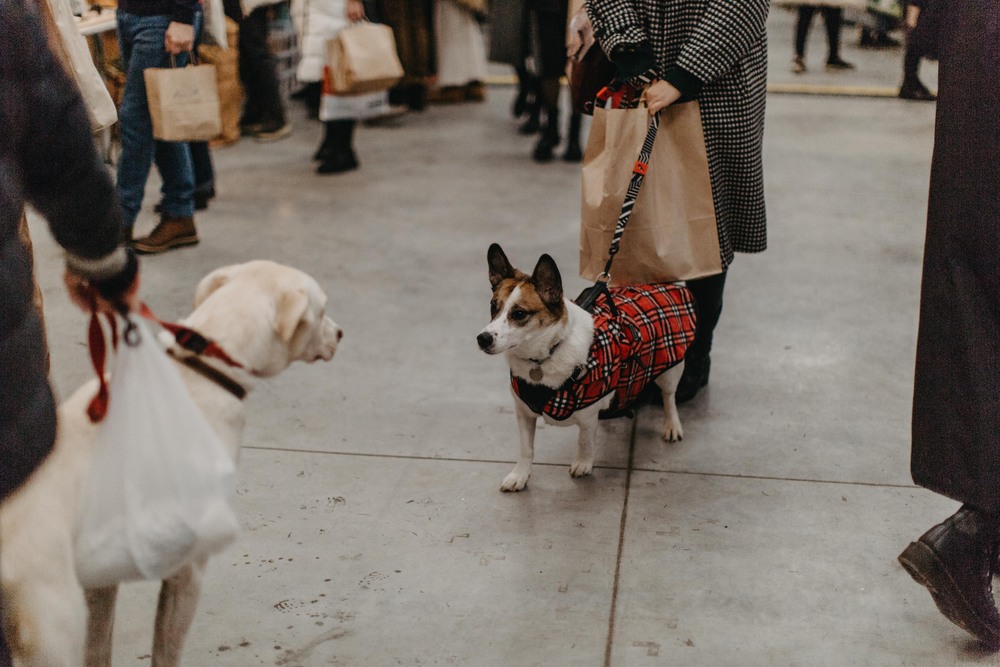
(213, 374)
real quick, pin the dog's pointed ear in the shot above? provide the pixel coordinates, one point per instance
(500, 268)
(290, 311)
(547, 281)
(212, 282)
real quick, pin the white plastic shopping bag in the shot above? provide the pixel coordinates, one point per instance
(160, 484)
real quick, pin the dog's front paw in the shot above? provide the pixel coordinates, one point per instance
(514, 481)
(581, 468)
(672, 431)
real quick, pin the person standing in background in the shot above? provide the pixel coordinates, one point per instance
(316, 22)
(912, 88)
(154, 33)
(833, 19)
(264, 117)
(461, 51)
(956, 398)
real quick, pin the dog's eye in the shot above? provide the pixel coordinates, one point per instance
(518, 315)
(494, 307)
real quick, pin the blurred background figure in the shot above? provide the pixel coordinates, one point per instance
(912, 88)
(410, 21)
(461, 51)
(264, 117)
(833, 18)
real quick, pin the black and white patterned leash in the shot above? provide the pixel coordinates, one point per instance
(589, 296)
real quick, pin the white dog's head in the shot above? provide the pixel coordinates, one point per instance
(265, 315)
(524, 308)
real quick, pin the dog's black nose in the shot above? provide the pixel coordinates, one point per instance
(485, 340)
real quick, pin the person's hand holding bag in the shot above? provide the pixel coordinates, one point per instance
(660, 95)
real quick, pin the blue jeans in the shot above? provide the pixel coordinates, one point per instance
(141, 41)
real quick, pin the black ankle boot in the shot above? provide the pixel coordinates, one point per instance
(549, 140)
(325, 149)
(955, 561)
(695, 377)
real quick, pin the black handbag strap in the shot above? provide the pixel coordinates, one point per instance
(589, 296)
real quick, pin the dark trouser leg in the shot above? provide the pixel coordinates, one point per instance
(707, 294)
(708, 308)
(832, 19)
(802, 28)
(911, 65)
(259, 73)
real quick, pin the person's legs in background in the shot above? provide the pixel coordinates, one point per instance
(707, 294)
(833, 19)
(264, 114)
(338, 147)
(802, 23)
(141, 41)
(912, 88)
(204, 174)
(550, 19)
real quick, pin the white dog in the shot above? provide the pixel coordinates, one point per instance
(568, 365)
(262, 314)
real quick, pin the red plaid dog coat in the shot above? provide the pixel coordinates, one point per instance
(644, 331)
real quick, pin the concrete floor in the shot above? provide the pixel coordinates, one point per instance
(374, 532)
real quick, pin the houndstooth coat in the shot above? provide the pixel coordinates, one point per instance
(720, 45)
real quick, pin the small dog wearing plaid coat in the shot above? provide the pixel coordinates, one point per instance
(570, 366)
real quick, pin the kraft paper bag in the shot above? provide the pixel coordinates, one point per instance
(672, 233)
(362, 58)
(227, 76)
(183, 102)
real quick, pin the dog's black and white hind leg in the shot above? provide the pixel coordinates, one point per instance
(667, 382)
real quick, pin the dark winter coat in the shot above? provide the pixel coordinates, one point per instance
(956, 402)
(715, 51)
(48, 159)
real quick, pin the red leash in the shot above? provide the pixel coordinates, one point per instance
(187, 338)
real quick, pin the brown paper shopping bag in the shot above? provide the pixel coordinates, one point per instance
(672, 233)
(362, 58)
(183, 102)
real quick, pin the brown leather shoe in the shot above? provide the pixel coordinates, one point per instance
(955, 560)
(169, 233)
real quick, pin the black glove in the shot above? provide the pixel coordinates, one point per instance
(632, 61)
(112, 289)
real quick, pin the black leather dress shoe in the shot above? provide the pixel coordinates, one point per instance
(916, 91)
(955, 561)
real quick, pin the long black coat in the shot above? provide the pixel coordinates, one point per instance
(47, 158)
(956, 403)
(723, 45)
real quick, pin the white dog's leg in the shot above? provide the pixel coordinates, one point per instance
(46, 625)
(518, 477)
(584, 463)
(174, 613)
(100, 625)
(672, 431)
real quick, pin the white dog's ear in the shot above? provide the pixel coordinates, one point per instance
(500, 268)
(548, 282)
(212, 282)
(291, 309)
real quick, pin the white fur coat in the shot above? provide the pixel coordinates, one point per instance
(316, 21)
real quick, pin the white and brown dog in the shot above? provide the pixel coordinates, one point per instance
(265, 316)
(569, 365)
